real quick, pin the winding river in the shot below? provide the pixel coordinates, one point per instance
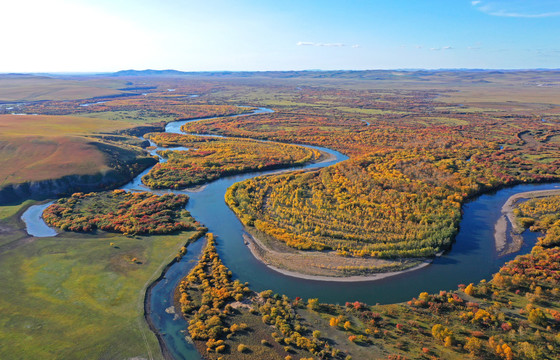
(472, 258)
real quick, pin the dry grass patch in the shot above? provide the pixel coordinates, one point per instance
(41, 147)
(31, 88)
(48, 125)
(38, 158)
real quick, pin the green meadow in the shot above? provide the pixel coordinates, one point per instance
(78, 296)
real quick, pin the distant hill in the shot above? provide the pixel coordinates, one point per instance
(22, 76)
(470, 75)
(266, 74)
(149, 72)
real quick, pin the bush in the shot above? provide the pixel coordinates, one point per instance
(537, 316)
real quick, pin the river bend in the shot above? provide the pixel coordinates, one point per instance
(473, 256)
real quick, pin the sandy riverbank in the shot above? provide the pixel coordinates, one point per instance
(503, 246)
(274, 259)
(196, 189)
(325, 157)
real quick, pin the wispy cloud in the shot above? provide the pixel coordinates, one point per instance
(441, 48)
(520, 15)
(519, 8)
(309, 43)
(553, 53)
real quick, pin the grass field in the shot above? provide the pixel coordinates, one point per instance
(77, 297)
(47, 125)
(10, 210)
(135, 116)
(41, 147)
(18, 88)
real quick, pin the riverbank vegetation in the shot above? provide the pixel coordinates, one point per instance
(121, 211)
(211, 158)
(515, 315)
(414, 160)
(228, 320)
(323, 264)
(541, 215)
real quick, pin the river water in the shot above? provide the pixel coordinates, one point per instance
(473, 256)
(34, 224)
(207, 206)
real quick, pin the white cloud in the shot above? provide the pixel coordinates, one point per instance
(355, 46)
(441, 48)
(308, 43)
(519, 8)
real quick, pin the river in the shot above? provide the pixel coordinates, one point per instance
(473, 256)
(34, 224)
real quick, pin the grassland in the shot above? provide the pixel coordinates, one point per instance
(7, 211)
(41, 147)
(45, 125)
(19, 88)
(64, 139)
(76, 296)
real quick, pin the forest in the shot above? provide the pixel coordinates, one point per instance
(541, 215)
(209, 158)
(515, 315)
(121, 211)
(227, 318)
(400, 193)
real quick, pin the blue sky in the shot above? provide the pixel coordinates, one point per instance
(207, 35)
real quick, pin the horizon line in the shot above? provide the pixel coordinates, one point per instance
(269, 71)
